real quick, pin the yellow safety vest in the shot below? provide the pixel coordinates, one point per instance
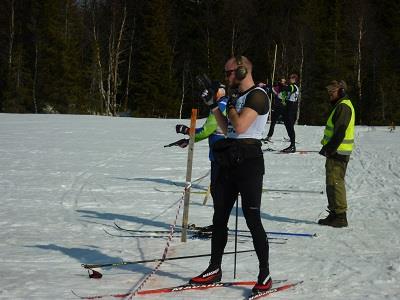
(346, 147)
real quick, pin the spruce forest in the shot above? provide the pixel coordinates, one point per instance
(140, 57)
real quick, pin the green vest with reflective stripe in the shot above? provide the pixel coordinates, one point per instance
(346, 147)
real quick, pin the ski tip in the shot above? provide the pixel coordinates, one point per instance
(273, 290)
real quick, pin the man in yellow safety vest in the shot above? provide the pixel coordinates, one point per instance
(337, 145)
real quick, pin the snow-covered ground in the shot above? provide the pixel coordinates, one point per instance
(66, 179)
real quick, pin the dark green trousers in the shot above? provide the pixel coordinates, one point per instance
(335, 185)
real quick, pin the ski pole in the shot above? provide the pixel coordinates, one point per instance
(124, 263)
(236, 235)
(285, 233)
(292, 191)
(293, 234)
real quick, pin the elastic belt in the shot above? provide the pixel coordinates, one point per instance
(248, 141)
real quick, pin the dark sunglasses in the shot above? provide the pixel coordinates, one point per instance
(229, 72)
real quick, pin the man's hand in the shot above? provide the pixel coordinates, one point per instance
(326, 152)
(322, 152)
(211, 90)
(182, 129)
(208, 99)
(231, 103)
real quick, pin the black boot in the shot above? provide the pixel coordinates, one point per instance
(264, 282)
(334, 220)
(211, 275)
(290, 149)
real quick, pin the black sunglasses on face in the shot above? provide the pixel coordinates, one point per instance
(229, 72)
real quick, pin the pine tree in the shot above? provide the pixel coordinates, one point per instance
(156, 85)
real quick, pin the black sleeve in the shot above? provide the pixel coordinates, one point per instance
(341, 119)
(258, 101)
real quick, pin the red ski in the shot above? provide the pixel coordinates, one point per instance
(186, 287)
(179, 288)
(273, 290)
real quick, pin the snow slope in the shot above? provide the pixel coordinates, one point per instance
(65, 179)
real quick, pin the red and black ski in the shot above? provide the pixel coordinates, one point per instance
(179, 288)
(273, 290)
(187, 287)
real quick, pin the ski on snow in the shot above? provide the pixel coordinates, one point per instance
(273, 290)
(284, 191)
(191, 287)
(283, 152)
(192, 235)
(192, 228)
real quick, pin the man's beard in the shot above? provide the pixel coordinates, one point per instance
(234, 85)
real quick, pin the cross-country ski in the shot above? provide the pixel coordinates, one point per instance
(187, 287)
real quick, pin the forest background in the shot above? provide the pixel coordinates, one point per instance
(139, 58)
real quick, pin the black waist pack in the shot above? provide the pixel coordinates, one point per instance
(232, 152)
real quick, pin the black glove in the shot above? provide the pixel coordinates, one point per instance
(203, 82)
(182, 143)
(326, 152)
(182, 129)
(208, 98)
(231, 103)
(209, 90)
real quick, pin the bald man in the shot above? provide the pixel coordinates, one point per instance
(241, 169)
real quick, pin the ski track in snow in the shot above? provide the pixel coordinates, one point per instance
(63, 179)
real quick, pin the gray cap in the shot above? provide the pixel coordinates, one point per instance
(334, 85)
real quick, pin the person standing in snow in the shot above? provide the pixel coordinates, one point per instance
(392, 127)
(291, 110)
(338, 143)
(209, 130)
(278, 106)
(241, 168)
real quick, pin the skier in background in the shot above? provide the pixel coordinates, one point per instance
(392, 127)
(278, 108)
(291, 110)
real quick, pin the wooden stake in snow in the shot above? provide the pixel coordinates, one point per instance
(188, 175)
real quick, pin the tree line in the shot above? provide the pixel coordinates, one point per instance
(140, 57)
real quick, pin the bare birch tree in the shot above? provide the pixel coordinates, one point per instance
(115, 51)
(361, 33)
(300, 80)
(35, 72)
(128, 74)
(97, 53)
(12, 34)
